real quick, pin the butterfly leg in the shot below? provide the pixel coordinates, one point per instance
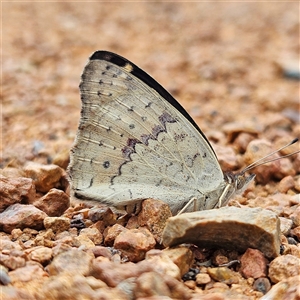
(224, 198)
(134, 208)
(193, 200)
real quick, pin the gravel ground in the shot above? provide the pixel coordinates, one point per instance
(233, 66)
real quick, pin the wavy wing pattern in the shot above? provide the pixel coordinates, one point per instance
(132, 143)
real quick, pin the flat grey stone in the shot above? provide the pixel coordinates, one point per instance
(227, 227)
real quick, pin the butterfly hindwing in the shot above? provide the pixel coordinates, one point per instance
(135, 141)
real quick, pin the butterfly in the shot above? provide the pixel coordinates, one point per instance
(135, 141)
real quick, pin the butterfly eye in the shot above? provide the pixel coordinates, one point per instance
(240, 182)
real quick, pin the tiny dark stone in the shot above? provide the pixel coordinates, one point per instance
(281, 250)
(191, 274)
(292, 241)
(131, 126)
(77, 223)
(262, 285)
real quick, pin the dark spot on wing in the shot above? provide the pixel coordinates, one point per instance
(156, 130)
(166, 118)
(132, 142)
(130, 147)
(106, 164)
(197, 154)
(145, 138)
(126, 151)
(180, 136)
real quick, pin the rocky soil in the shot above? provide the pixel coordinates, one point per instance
(233, 66)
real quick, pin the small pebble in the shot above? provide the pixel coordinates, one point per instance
(202, 278)
(223, 274)
(4, 278)
(21, 216)
(262, 285)
(45, 177)
(253, 264)
(54, 203)
(283, 267)
(57, 224)
(190, 275)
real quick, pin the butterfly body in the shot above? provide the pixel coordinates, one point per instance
(135, 141)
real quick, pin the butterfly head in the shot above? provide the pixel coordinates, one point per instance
(236, 184)
(242, 181)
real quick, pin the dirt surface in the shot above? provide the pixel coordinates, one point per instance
(220, 60)
(226, 63)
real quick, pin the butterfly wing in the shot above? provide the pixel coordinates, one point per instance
(135, 141)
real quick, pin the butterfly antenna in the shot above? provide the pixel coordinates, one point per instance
(262, 160)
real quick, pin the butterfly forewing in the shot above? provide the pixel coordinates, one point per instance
(132, 143)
